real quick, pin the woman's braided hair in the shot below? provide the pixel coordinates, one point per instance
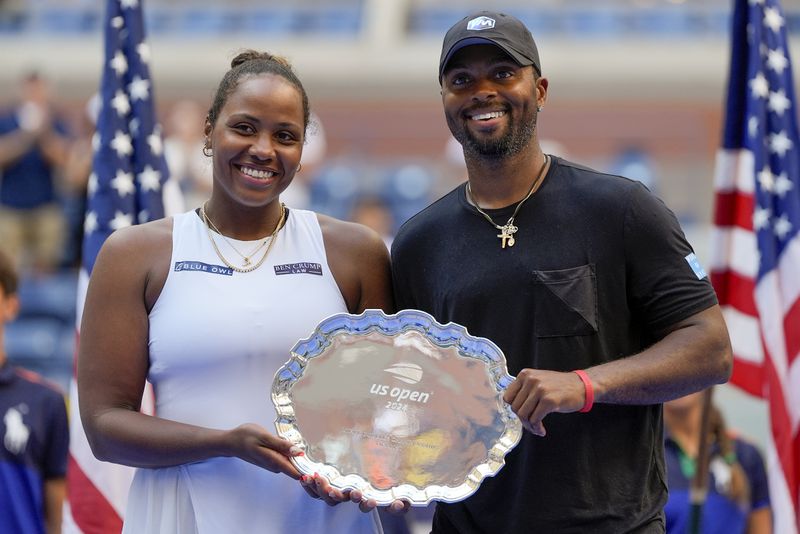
(253, 63)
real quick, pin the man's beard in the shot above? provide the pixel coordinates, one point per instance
(516, 138)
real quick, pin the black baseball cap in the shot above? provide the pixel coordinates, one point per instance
(488, 27)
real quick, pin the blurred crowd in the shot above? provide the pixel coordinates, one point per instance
(612, 19)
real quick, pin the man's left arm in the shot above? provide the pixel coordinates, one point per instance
(694, 355)
(670, 293)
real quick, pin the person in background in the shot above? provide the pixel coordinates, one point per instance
(738, 495)
(298, 194)
(34, 436)
(76, 172)
(206, 305)
(373, 212)
(33, 147)
(14, 14)
(182, 148)
(586, 283)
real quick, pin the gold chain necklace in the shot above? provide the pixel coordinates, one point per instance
(508, 230)
(246, 259)
(271, 240)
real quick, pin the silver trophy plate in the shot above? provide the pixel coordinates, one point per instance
(397, 406)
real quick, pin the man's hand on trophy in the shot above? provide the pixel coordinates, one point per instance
(536, 393)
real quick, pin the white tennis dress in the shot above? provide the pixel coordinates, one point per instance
(216, 339)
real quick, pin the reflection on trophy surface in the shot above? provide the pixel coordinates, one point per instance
(395, 414)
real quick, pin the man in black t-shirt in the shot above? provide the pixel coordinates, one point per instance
(586, 283)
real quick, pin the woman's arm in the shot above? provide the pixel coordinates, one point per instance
(694, 355)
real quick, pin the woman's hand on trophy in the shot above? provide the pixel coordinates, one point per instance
(397, 507)
(318, 487)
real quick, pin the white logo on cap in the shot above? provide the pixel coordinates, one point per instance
(480, 23)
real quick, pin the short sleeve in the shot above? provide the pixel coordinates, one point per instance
(666, 282)
(753, 464)
(58, 438)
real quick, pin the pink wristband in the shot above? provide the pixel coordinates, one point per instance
(588, 389)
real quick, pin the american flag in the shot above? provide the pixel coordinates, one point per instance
(756, 247)
(125, 188)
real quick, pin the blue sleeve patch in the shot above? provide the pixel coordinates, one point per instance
(694, 263)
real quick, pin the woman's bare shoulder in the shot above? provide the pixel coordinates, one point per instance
(147, 237)
(138, 257)
(350, 237)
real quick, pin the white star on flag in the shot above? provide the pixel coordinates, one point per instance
(121, 103)
(123, 183)
(783, 185)
(121, 220)
(766, 179)
(119, 63)
(117, 22)
(139, 89)
(129, 3)
(122, 144)
(144, 216)
(773, 19)
(761, 218)
(752, 126)
(91, 185)
(776, 60)
(782, 226)
(778, 102)
(90, 222)
(759, 86)
(150, 179)
(779, 143)
(95, 141)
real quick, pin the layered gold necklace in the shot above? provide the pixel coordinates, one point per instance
(247, 264)
(508, 229)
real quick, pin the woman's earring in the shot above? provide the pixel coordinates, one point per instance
(207, 152)
(539, 108)
(299, 168)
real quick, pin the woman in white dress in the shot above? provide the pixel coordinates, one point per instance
(206, 306)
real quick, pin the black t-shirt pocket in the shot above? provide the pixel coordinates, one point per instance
(565, 302)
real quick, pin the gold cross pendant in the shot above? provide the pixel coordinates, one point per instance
(506, 235)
